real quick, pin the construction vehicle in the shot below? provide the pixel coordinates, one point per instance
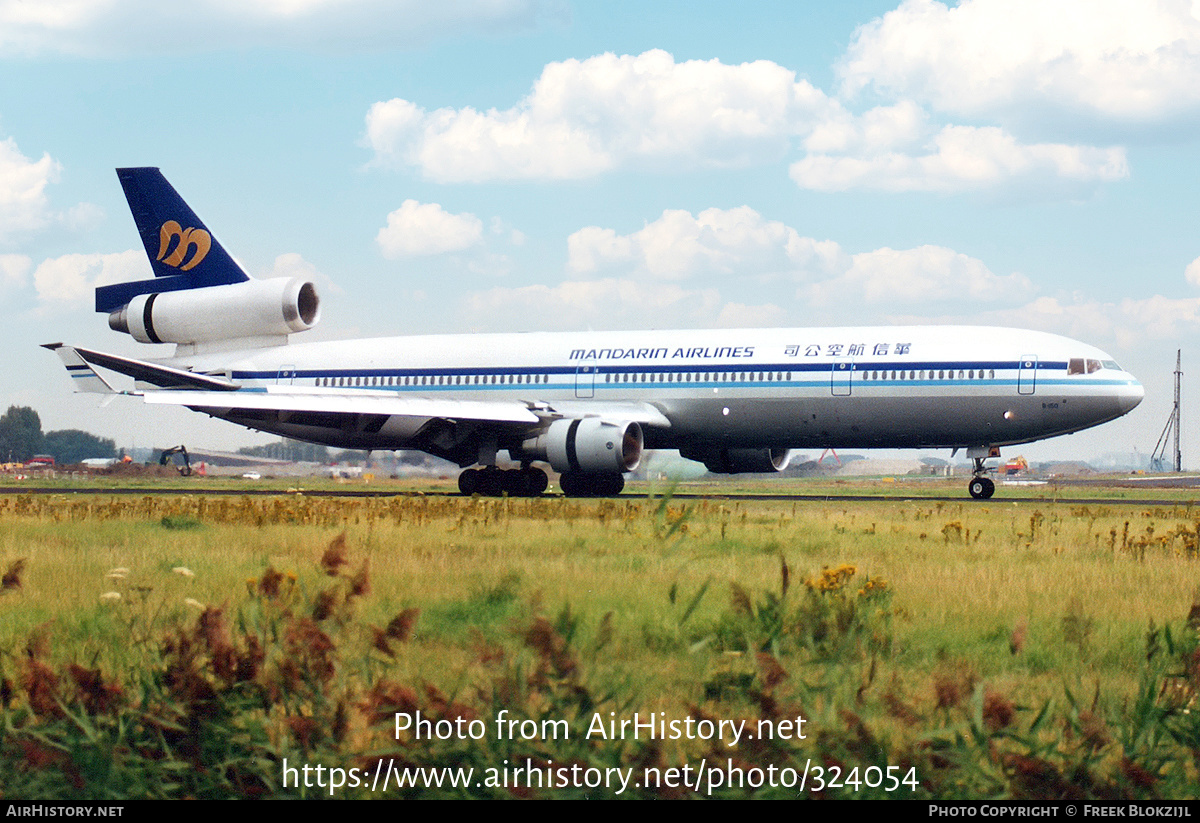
(181, 450)
(1016, 466)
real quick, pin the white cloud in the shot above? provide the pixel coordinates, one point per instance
(105, 27)
(584, 117)
(739, 243)
(743, 316)
(1131, 324)
(23, 205)
(927, 274)
(1192, 272)
(1128, 60)
(602, 303)
(70, 279)
(1157, 317)
(961, 158)
(419, 229)
(14, 271)
(676, 246)
(292, 264)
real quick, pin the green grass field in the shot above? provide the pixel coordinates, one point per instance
(1010, 648)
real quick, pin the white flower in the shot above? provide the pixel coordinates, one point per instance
(184, 570)
(111, 596)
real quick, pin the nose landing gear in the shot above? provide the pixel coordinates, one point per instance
(981, 486)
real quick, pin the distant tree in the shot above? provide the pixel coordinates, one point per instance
(75, 446)
(350, 456)
(286, 449)
(20, 434)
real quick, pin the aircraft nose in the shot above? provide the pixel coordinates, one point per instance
(1130, 396)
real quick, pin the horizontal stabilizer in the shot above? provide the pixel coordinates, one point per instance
(83, 377)
(164, 377)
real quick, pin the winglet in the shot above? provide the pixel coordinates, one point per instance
(83, 377)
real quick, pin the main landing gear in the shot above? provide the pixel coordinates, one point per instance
(490, 481)
(579, 484)
(493, 482)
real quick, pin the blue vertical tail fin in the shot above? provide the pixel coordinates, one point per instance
(183, 252)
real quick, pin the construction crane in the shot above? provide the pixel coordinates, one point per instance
(1160, 449)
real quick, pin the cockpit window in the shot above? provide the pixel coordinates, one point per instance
(1110, 364)
(1079, 365)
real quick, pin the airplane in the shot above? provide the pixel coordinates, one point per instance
(586, 403)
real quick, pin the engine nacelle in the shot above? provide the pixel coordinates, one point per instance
(741, 461)
(589, 445)
(255, 308)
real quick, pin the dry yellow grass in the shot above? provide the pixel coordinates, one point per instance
(964, 576)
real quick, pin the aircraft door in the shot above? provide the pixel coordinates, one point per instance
(1027, 374)
(841, 372)
(286, 375)
(585, 381)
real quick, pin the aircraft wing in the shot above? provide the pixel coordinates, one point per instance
(630, 411)
(348, 402)
(351, 401)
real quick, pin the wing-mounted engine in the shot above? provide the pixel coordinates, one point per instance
(741, 461)
(591, 445)
(263, 310)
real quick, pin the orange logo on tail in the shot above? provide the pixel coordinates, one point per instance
(188, 238)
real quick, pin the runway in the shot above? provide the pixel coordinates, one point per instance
(784, 497)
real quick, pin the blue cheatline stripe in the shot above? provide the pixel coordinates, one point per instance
(824, 369)
(824, 385)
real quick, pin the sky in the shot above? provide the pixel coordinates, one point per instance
(523, 165)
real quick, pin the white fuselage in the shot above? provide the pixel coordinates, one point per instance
(867, 387)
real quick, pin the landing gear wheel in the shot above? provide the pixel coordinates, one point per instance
(468, 482)
(532, 482)
(981, 488)
(578, 484)
(493, 482)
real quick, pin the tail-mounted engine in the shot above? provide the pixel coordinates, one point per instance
(255, 308)
(590, 445)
